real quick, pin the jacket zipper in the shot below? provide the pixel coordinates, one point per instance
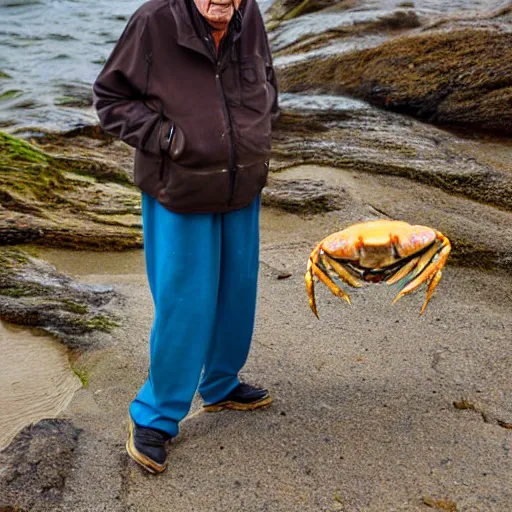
(232, 155)
(232, 167)
(148, 59)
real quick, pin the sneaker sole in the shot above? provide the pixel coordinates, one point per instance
(237, 406)
(148, 464)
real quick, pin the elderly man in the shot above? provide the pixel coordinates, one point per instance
(190, 85)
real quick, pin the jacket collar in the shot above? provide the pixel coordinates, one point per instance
(186, 33)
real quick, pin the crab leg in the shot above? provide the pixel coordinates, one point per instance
(314, 270)
(429, 271)
(342, 272)
(430, 289)
(310, 287)
(423, 262)
(403, 271)
(326, 279)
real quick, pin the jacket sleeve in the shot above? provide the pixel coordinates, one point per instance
(275, 112)
(120, 92)
(272, 79)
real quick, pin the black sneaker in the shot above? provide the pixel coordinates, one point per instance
(148, 447)
(243, 398)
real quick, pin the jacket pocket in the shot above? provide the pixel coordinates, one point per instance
(147, 173)
(189, 189)
(175, 142)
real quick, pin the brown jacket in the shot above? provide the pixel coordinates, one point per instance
(200, 121)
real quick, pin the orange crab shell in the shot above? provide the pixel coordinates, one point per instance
(397, 240)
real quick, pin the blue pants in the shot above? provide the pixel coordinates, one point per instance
(202, 271)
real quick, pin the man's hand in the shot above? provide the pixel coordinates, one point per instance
(175, 141)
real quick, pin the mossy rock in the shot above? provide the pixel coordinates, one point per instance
(462, 77)
(34, 294)
(65, 201)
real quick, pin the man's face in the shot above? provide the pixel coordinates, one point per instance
(218, 13)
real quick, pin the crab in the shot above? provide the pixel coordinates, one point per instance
(379, 251)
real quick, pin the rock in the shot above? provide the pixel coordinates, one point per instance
(65, 201)
(87, 142)
(34, 294)
(460, 77)
(36, 465)
(326, 29)
(76, 95)
(336, 132)
(289, 9)
(301, 196)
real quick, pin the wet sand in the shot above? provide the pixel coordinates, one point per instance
(36, 380)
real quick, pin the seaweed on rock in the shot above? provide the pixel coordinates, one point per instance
(65, 201)
(461, 77)
(34, 294)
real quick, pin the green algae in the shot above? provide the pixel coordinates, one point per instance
(81, 373)
(10, 94)
(13, 292)
(75, 307)
(99, 322)
(34, 294)
(12, 258)
(13, 149)
(306, 6)
(66, 201)
(18, 154)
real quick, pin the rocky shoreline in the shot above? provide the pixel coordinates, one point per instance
(67, 202)
(430, 75)
(366, 98)
(453, 70)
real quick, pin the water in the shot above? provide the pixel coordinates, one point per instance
(321, 102)
(52, 50)
(36, 380)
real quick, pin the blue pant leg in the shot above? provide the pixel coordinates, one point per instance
(183, 260)
(236, 304)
